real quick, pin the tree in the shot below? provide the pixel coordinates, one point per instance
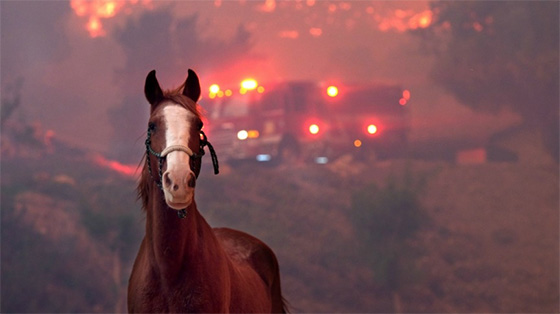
(495, 54)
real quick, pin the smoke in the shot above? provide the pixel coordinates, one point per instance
(28, 35)
(84, 62)
(169, 45)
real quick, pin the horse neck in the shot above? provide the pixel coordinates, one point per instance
(179, 246)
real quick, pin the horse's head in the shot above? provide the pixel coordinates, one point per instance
(175, 142)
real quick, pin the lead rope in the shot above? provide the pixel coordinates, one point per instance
(203, 142)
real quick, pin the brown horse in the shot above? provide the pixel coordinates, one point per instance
(184, 265)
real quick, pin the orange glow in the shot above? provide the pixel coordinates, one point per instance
(478, 27)
(107, 9)
(315, 31)
(403, 20)
(79, 7)
(126, 170)
(228, 92)
(357, 143)
(372, 129)
(289, 34)
(406, 94)
(421, 20)
(314, 129)
(332, 91)
(345, 6)
(268, 6)
(94, 27)
(96, 10)
(260, 89)
(401, 14)
(253, 134)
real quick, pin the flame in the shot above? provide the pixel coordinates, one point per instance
(404, 20)
(123, 169)
(421, 20)
(315, 31)
(290, 34)
(268, 6)
(96, 10)
(94, 27)
(48, 139)
(478, 27)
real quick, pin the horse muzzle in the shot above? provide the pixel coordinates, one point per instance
(178, 184)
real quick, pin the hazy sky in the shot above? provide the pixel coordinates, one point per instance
(84, 63)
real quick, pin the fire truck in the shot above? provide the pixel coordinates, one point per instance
(306, 121)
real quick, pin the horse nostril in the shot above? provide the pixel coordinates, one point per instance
(176, 185)
(167, 181)
(191, 181)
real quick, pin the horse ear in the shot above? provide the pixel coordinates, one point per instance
(192, 86)
(152, 90)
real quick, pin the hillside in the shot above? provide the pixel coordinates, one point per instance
(71, 228)
(491, 245)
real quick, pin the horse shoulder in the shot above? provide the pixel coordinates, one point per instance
(244, 248)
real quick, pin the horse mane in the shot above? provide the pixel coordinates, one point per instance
(175, 95)
(144, 183)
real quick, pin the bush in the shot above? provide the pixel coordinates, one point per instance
(385, 220)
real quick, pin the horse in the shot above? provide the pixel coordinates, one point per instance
(183, 265)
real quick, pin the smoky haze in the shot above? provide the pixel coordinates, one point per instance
(86, 86)
(457, 213)
(157, 41)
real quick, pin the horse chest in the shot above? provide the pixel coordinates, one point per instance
(154, 296)
(189, 292)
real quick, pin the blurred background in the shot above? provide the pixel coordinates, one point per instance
(397, 156)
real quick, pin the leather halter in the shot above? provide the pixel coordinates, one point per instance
(197, 158)
(175, 148)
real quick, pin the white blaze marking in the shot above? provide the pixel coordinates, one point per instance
(177, 122)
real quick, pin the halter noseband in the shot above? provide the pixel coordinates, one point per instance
(193, 156)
